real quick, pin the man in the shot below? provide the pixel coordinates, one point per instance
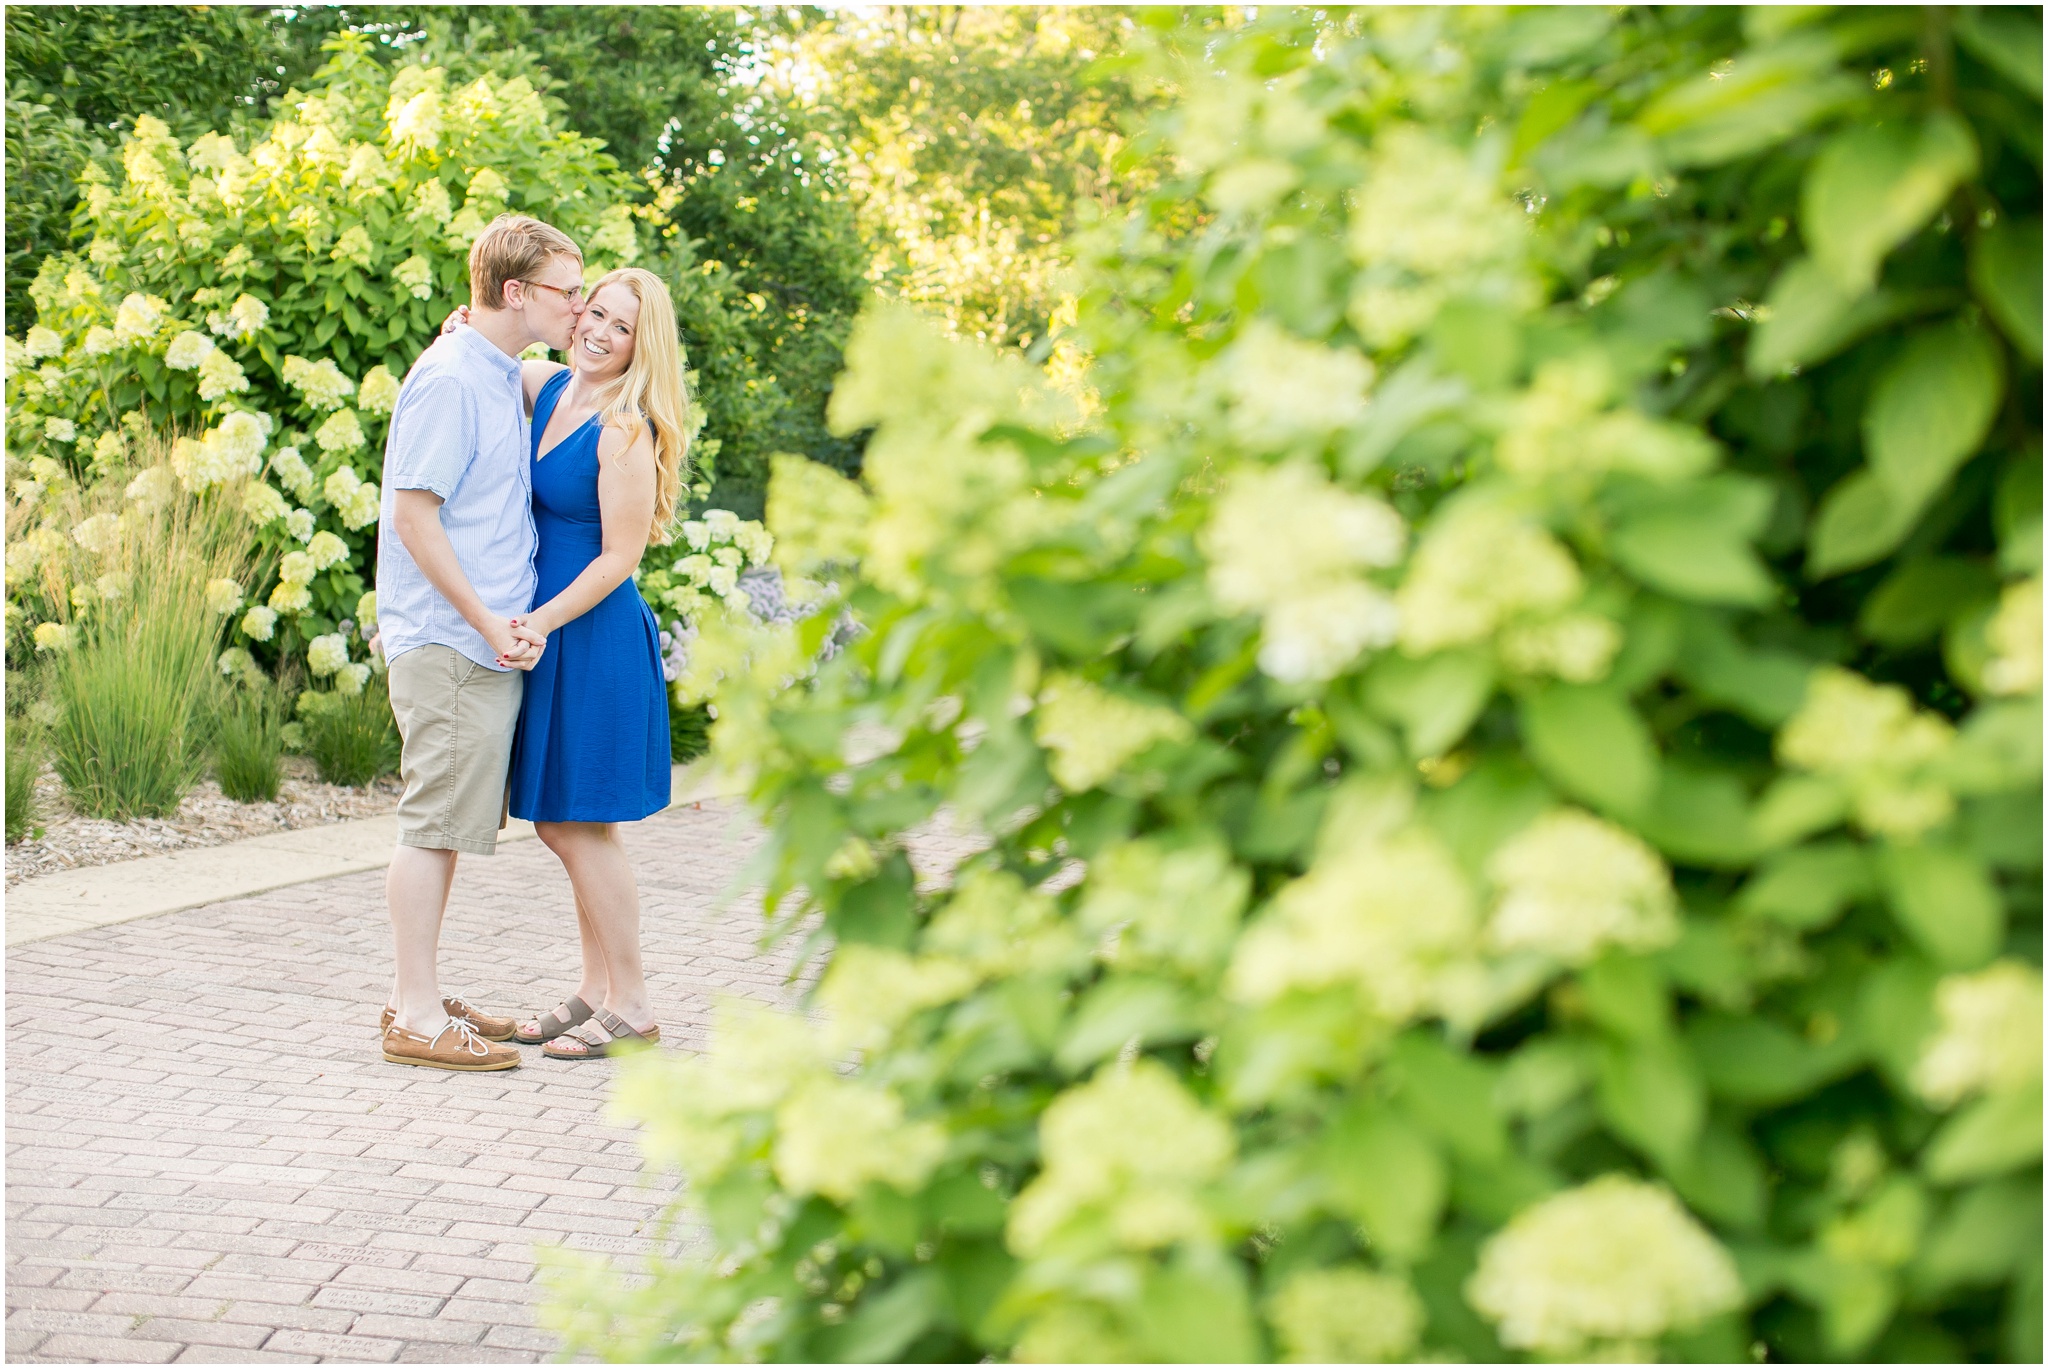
(455, 546)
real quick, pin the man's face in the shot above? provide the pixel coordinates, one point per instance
(554, 301)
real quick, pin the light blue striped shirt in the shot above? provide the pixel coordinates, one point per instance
(460, 430)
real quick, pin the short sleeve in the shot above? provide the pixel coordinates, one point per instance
(433, 437)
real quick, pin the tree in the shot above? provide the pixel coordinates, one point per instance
(1509, 752)
(972, 140)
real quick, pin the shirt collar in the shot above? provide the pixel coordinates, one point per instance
(483, 347)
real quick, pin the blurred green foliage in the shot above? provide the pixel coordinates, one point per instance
(1508, 747)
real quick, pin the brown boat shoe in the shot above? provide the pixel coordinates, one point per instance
(489, 1028)
(455, 1047)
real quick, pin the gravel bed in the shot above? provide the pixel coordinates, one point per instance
(207, 817)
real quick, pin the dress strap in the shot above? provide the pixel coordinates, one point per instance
(544, 405)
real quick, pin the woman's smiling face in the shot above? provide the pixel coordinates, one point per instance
(602, 346)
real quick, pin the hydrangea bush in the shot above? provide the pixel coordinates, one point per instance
(1509, 742)
(264, 300)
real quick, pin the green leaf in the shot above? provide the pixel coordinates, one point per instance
(1895, 1013)
(1860, 521)
(1701, 816)
(1451, 1094)
(1592, 745)
(1764, 685)
(1807, 888)
(1760, 99)
(1945, 901)
(886, 1323)
(1433, 700)
(2004, 830)
(1626, 995)
(1384, 1173)
(1981, 1239)
(2008, 40)
(1121, 1010)
(1875, 185)
(1753, 1060)
(1197, 1310)
(2005, 272)
(1692, 541)
(1652, 1097)
(1919, 598)
(1797, 806)
(1809, 318)
(1991, 1136)
(1724, 1177)
(1930, 409)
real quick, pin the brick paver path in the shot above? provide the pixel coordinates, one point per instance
(207, 1159)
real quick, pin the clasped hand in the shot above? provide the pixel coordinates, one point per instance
(520, 644)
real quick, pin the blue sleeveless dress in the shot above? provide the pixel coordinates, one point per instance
(592, 743)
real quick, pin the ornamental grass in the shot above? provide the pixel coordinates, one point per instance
(133, 678)
(352, 738)
(248, 753)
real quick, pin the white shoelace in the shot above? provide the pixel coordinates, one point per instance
(465, 1037)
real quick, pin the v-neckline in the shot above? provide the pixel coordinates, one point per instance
(539, 457)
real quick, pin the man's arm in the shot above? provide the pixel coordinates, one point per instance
(416, 515)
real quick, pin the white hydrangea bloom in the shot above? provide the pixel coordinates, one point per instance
(340, 433)
(326, 654)
(350, 679)
(1574, 646)
(292, 470)
(1572, 886)
(870, 991)
(220, 375)
(1286, 543)
(108, 448)
(99, 341)
(291, 597)
(1346, 1316)
(354, 246)
(354, 498)
(48, 470)
(98, 534)
(756, 541)
(1608, 1266)
(415, 124)
(1561, 427)
(722, 523)
(53, 637)
(109, 587)
(1872, 739)
(696, 534)
(236, 663)
(243, 320)
(263, 504)
(297, 568)
(430, 207)
(153, 485)
(223, 596)
(44, 342)
(28, 491)
(366, 611)
(60, 430)
(1092, 733)
(379, 391)
(416, 274)
(322, 382)
(299, 523)
(2014, 634)
(730, 556)
(187, 350)
(1131, 1147)
(722, 580)
(138, 318)
(1389, 913)
(835, 1136)
(1989, 1037)
(326, 550)
(1478, 566)
(1283, 389)
(259, 623)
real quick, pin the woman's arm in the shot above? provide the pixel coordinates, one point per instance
(533, 375)
(625, 501)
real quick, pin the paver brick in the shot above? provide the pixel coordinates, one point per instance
(209, 1148)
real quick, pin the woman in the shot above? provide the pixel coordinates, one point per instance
(610, 434)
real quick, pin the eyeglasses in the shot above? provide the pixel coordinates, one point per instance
(570, 295)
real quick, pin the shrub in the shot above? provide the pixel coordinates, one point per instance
(133, 673)
(25, 752)
(351, 738)
(266, 296)
(1510, 749)
(689, 732)
(248, 753)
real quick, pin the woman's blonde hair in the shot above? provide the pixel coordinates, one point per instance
(655, 389)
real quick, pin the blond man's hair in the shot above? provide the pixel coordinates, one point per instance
(513, 247)
(654, 391)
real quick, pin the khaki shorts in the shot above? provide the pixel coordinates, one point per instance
(456, 720)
